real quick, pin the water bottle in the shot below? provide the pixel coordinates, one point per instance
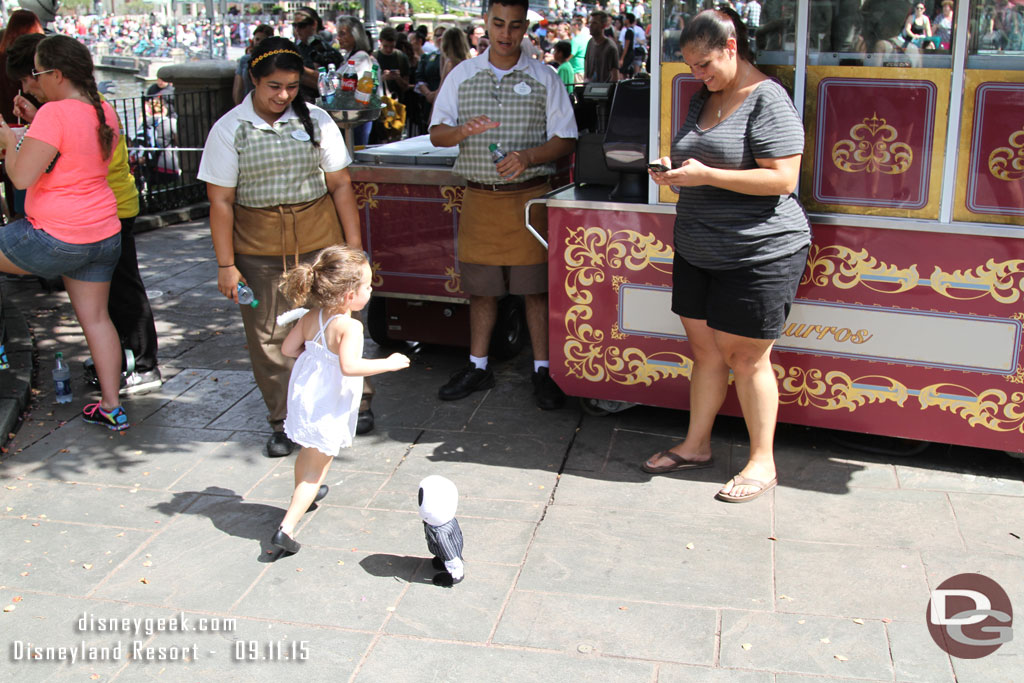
(497, 153)
(245, 296)
(333, 79)
(62, 380)
(322, 85)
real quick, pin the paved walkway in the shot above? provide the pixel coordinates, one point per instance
(579, 566)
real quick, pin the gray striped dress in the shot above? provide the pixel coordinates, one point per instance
(719, 229)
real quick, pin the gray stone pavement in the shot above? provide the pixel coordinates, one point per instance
(579, 566)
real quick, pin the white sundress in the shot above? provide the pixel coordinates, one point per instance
(323, 403)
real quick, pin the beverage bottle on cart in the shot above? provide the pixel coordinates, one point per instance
(246, 296)
(322, 85)
(364, 89)
(376, 77)
(349, 77)
(497, 153)
(333, 79)
(62, 380)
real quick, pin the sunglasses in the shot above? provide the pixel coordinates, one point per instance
(301, 24)
(37, 74)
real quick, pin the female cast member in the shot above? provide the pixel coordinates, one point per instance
(279, 189)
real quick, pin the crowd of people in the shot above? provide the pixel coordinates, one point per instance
(415, 60)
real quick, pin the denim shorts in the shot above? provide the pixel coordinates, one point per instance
(39, 253)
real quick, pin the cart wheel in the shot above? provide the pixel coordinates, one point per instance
(601, 407)
(510, 333)
(592, 406)
(377, 321)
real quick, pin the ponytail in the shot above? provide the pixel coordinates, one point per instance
(106, 133)
(325, 282)
(298, 283)
(299, 107)
(74, 61)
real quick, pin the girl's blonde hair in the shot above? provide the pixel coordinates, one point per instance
(325, 282)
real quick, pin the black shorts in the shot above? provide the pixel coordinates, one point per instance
(752, 301)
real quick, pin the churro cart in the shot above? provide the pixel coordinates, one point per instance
(908, 320)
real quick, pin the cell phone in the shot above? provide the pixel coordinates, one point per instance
(658, 168)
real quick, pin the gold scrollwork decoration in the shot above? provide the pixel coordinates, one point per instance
(453, 195)
(997, 279)
(589, 250)
(366, 194)
(835, 390)
(618, 281)
(847, 268)
(376, 279)
(454, 283)
(1007, 163)
(872, 149)
(993, 409)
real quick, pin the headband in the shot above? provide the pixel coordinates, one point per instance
(274, 52)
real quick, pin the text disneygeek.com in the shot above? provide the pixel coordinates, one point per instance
(137, 646)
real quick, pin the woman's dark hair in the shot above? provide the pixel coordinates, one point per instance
(21, 56)
(280, 54)
(74, 61)
(266, 29)
(312, 15)
(712, 28)
(21, 22)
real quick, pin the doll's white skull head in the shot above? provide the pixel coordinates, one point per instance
(439, 498)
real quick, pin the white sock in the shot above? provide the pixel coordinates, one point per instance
(479, 362)
(538, 364)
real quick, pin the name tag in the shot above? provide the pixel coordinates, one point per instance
(522, 88)
(300, 135)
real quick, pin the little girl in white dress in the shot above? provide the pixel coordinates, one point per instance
(326, 382)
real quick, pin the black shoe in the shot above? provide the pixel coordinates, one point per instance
(437, 563)
(548, 395)
(465, 382)
(279, 445)
(364, 423)
(285, 542)
(320, 495)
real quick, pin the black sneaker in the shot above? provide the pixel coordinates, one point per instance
(548, 395)
(465, 382)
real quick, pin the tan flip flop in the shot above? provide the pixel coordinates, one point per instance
(762, 488)
(678, 463)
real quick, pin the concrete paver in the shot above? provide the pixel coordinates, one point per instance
(579, 565)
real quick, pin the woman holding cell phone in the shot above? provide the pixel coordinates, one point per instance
(741, 242)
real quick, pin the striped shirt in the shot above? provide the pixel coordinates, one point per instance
(719, 229)
(445, 540)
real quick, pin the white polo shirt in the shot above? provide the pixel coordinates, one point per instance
(272, 164)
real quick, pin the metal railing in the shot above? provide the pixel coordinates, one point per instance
(164, 134)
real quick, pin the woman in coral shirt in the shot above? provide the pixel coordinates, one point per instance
(71, 227)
